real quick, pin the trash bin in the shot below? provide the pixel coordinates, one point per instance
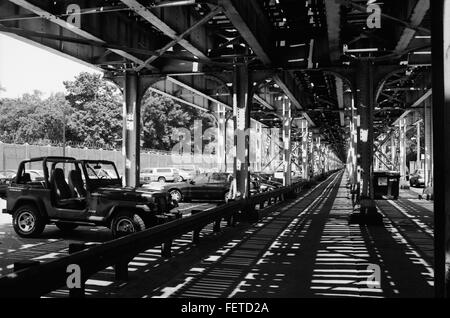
(386, 184)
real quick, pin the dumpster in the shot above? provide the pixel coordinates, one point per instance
(386, 184)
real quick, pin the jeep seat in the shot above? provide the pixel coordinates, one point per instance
(64, 198)
(76, 183)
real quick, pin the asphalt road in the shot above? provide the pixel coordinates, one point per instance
(54, 243)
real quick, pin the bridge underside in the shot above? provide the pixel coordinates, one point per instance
(329, 82)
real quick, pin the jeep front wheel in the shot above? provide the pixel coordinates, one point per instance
(28, 222)
(125, 223)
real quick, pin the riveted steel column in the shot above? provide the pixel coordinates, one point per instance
(287, 144)
(221, 138)
(440, 24)
(364, 81)
(131, 128)
(365, 99)
(402, 143)
(241, 112)
(427, 119)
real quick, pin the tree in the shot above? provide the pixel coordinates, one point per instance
(161, 116)
(96, 110)
(32, 118)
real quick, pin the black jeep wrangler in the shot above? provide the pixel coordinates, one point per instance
(81, 192)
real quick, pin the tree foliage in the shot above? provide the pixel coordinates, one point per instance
(31, 117)
(161, 117)
(95, 112)
(91, 112)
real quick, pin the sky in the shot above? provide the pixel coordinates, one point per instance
(24, 68)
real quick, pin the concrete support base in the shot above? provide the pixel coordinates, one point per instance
(366, 214)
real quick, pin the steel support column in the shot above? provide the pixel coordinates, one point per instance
(131, 128)
(241, 112)
(440, 21)
(221, 136)
(402, 143)
(287, 144)
(365, 99)
(393, 150)
(418, 151)
(305, 166)
(427, 119)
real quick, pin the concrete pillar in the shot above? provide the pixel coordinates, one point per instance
(427, 119)
(241, 112)
(131, 128)
(221, 136)
(287, 144)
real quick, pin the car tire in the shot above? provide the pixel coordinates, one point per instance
(162, 179)
(28, 222)
(66, 227)
(179, 179)
(176, 195)
(125, 223)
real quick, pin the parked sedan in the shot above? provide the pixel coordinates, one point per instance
(213, 186)
(417, 179)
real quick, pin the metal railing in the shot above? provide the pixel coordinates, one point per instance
(33, 279)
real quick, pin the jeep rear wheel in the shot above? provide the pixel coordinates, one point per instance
(66, 227)
(28, 222)
(125, 223)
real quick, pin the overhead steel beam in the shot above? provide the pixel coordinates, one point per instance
(158, 91)
(250, 21)
(416, 104)
(263, 102)
(72, 28)
(180, 37)
(240, 13)
(162, 26)
(196, 91)
(419, 12)
(333, 13)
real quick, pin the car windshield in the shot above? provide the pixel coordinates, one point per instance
(200, 179)
(101, 170)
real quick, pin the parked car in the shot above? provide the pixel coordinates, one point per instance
(266, 184)
(163, 174)
(210, 186)
(186, 173)
(93, 195)
(417, 179)
(202, 187)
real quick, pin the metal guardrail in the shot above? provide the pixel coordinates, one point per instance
(39, 279)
